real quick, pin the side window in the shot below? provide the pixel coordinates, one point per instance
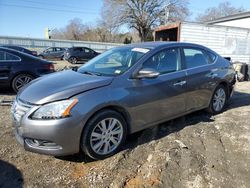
(4, 56)
(195, 57)
(87, 50)
(165, 61)
(59, 49)
(50, 50)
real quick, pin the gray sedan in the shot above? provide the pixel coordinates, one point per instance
(121, 91)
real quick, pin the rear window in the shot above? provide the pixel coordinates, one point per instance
(212, 56)
(195, 57)
(5, 56)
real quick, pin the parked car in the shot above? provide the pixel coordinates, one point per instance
(121, 91)
(18, 68)
(75, 54)
(21, 49)
(52, 53)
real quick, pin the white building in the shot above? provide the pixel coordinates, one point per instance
(241, 20)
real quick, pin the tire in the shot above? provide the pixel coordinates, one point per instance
(219, 100)
(95, 144)
(40, 56)
(73, 60)
(20, 80)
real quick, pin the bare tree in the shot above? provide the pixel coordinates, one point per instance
(143, 15)
(73, 31)
(104, 31)
(223, 9)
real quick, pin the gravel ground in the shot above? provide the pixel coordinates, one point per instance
(197, 150)
(64, 64)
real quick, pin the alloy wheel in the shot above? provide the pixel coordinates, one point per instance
(219, 99)
(21, 81)
(106, 136)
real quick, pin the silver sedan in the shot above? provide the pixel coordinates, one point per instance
(119, 92)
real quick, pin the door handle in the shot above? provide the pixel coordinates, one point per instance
(213, 75)
(180, 83)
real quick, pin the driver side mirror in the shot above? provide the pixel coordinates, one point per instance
(147, 73)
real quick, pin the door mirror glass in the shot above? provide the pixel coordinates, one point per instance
(147, 73)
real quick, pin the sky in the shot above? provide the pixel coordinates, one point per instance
(29, 18)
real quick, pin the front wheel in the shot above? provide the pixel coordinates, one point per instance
(219, 100)
(21, 80)
(104, 135)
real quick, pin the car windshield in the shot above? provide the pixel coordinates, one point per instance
(113, 62)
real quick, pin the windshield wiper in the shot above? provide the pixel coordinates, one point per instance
(92, 73)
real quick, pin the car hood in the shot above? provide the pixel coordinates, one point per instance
(60, 85)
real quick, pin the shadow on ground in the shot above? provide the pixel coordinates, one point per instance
(10, 176)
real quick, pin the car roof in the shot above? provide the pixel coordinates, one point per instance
(16, 52)
(12, 47)
(160, 44)
(11, 50)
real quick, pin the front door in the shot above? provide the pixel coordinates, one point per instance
(163, 97)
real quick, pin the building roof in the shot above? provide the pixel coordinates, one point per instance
(230, 18)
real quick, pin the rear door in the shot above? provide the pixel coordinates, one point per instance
(163, 97)
(200, 82)
(88, 53)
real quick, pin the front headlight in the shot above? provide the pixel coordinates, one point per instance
(55, 110)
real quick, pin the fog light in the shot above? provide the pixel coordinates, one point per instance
(41, 143)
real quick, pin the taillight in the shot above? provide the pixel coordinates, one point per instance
(50, 67)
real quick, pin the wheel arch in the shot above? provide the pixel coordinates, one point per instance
(122, 111)
(226, 85)
(22, 72)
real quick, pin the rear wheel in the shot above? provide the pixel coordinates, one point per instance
(73, 60)
(21, 80)
(219, 100)
(104, 134)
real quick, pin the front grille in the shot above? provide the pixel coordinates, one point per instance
(19, 109)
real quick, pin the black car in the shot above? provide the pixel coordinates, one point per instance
(21, 49)
(18, 68)
(75, 54)
(52, 53)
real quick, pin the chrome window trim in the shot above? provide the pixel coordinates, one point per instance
(185, 70)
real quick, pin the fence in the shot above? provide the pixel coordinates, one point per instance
(35, 43)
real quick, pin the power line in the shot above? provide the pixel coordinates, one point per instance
(49, 9)
(53, 4)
